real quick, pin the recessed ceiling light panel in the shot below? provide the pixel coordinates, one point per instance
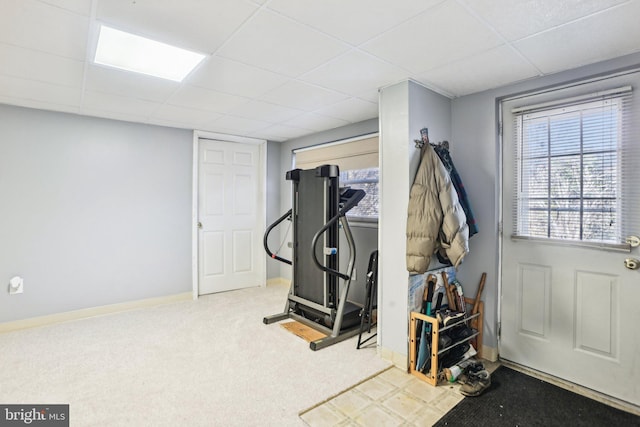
(141, 55)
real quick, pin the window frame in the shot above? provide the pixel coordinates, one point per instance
(356, 153)
(548, 110)
(346, 182)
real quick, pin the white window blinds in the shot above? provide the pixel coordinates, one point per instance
(577, 164)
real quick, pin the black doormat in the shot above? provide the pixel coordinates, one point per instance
(516, 399)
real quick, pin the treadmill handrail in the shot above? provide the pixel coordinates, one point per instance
(351, 202)
(265, 243)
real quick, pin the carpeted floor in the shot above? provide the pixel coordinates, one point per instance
(516, 399)
(210, 362)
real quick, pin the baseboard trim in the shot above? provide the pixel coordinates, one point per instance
(278, 281)
(399, 360)
(490, 353)
(85, 313)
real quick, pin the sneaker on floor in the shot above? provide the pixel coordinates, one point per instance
(476, 383)
(474, 368)
(462, 378)
(471, 368)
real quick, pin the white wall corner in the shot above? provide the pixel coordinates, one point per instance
(394, 195)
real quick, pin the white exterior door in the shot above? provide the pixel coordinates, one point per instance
(229, 210)
(569, 310)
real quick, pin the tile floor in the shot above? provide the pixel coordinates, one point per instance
(391, 398)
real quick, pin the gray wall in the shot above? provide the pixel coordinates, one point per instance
(92, 211)
(365, 237)
(273, 201)
(476, 151)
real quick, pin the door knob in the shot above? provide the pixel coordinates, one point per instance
(199, 224)
(632, 263)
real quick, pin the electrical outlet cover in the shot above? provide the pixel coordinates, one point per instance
(16, 285)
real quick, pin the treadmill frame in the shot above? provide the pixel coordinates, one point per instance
(315, 295)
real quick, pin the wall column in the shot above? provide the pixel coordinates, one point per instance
(405, 108)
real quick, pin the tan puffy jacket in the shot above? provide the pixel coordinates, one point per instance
(435, 217)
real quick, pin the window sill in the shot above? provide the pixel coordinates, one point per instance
(355, 221)
(613, 247)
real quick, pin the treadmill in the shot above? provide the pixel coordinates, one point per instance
(316, 297)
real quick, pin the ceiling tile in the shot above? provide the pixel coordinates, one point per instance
(300, 65)
(40, 26)
(302, 96)
(184, 115)
(355, 73)
(125, 83)
(173, 124)
(372, 95)
(442, 34)
(191, 24)
(82, 7)
(282, 132)
(229, 76)
(266, 111)
(205, 99)
(263, 135)
(238, 125)
(40, 66)
(117, 104)
(584, 41)
(316, 122)
(517, 19)
(280, 45)
(487, 70)
(39, 105)
(114, 115)
(31, 90)
(354, 21)
(352, 110)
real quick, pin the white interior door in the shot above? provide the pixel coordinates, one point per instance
(229, 212)
(567, 309)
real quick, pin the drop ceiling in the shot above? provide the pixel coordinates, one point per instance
(280, 69)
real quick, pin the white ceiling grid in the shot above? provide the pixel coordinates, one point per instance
(280, 69)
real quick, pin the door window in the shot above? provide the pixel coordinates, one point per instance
(568, 171)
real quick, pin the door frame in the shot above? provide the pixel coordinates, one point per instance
(501, 156)
(500, 208)
(499, 101)
(262, 198)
